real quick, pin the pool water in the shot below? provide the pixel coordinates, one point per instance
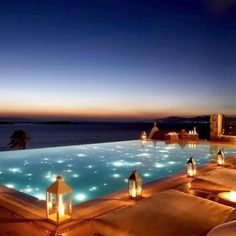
(95, 170)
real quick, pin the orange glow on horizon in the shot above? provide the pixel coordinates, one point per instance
(80, 113)
(66, 110)
(88, 113)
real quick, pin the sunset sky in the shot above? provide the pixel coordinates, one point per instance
(117, 59)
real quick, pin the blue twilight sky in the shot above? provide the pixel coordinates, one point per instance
(117, 59)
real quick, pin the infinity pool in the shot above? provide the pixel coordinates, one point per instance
(95, 170)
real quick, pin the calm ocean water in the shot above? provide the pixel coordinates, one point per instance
(44, 135)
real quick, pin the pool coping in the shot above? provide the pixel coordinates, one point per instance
(201, 141)
(73, 145)
(83, 213)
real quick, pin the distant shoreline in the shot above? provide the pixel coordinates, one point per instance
(6, 123)
(167, 120)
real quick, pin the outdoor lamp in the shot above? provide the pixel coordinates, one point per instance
(220, 158)
(191, 167)
(59, 201)
(143, 136)
(135, 185)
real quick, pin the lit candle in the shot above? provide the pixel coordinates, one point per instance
(139, 191)
(135, 185)
(133, 192)
(49, 206)
(220, 158)
(220, 162)
(59, 201)
(191, 167)
(143, 136)
(191, 172)
(61, 208)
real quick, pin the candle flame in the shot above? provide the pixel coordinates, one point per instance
(61, 208)
(133, 192)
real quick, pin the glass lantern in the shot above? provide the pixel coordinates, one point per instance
(59, 201)
(135, 186)
(220, 158)
(143, 136)
(191, 167)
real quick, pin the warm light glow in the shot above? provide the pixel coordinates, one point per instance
(220, 158)
(49, 206)
(228, 196)
(220, 162)
(144, 137)
(191, 171)
(133, 191)
(59, 199)
(87, 108)
(135, 186)
(71, 110)
(192, 145)
(232, 196)
(191, 167)
(139, 191)
(61, 208)
(189, 185)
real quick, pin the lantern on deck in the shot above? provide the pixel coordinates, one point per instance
(59, 201)
(220, 158)
(135, 186)
(191, 167)
(143, 136)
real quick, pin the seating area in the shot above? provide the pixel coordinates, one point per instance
(218, 180)
(193, 209)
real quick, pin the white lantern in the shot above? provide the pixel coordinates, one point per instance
(59, 201)
(191, 167)
(220, 158)
(143, 136)
(135, 186)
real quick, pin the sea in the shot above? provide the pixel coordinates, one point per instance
(52, 135)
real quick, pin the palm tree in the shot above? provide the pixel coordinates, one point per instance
(18, 140)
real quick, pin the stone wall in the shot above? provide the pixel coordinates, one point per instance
(216, 128)
(216, 121)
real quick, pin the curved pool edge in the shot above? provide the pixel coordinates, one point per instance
(201, 141)
(73, 145)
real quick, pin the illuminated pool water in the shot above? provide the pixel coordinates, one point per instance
(95, 170)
